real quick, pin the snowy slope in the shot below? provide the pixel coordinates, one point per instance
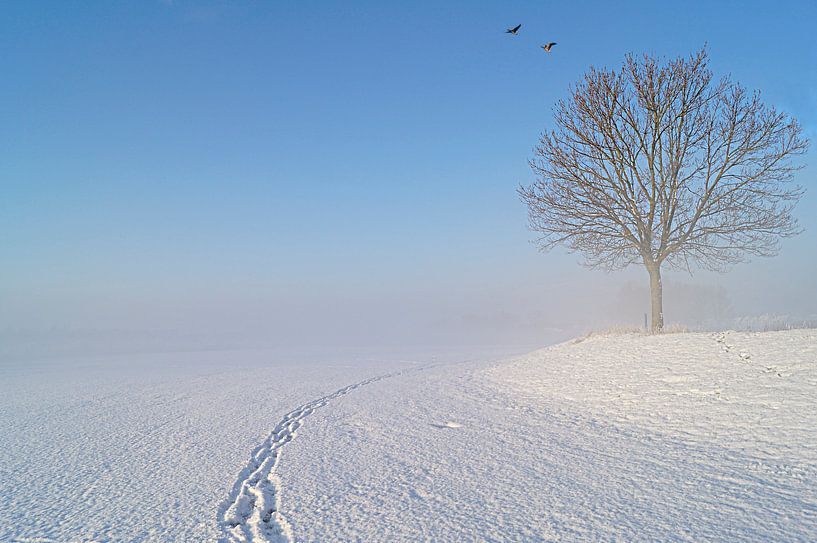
(613, 438)
(683, 437)
(751, 391)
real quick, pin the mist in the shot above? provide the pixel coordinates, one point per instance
(528, 303)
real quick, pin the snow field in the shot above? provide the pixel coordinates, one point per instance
(679, 437)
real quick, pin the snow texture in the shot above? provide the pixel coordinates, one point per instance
(679, 437)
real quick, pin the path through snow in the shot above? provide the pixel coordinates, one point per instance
(253, 512)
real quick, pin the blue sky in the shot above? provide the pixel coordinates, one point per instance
(331, 165)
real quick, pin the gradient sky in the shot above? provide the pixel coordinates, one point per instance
(328, 171)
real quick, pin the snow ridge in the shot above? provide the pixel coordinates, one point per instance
(252, 513)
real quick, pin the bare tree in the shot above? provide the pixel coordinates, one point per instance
(659, 164)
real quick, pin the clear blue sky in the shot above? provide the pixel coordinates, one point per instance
(297, 166)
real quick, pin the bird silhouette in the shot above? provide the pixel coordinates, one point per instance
(514, 30)
(548, 47)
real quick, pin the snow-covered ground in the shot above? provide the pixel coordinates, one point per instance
(619, 437)
(142, 448)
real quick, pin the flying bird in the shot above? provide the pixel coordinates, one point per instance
(514, 30)
(548, 47)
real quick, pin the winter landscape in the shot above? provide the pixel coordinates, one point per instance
(366, 272)
(626, 436)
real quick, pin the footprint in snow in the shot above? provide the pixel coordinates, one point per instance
(447, 425)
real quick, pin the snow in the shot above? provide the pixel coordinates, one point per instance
(629, 437)
(142, 448)
(753, 391)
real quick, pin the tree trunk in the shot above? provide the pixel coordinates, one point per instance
(656, 297)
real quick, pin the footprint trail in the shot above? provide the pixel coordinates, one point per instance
(252, 514)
